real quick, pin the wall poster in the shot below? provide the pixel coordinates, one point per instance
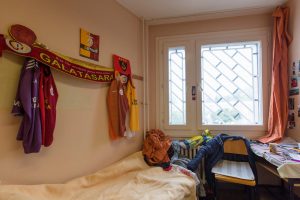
(89, 45)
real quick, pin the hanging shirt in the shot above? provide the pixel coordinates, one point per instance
(26, 104)
(113, 113)
(50, 100)
(117, 105)
(123, 108)
(133, 108)
(42, 104)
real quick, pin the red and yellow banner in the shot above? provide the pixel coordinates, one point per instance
(122, 65)
(71, 66)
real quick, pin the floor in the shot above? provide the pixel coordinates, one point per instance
(240, 193)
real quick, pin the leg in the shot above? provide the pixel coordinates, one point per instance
(215, 190)
(252, 193)
(215, 195)
(282, 186)
(256, 193)
(291, 189)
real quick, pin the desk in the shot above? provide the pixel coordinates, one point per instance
(278, 165)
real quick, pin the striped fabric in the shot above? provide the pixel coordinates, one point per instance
(263, 150)
(235, 169)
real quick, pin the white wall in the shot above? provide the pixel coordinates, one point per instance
(294, 54)
(81, 144)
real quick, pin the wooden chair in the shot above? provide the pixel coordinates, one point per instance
(232, 170)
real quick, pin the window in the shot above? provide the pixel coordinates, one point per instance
(177, 85)
(215, 80)
(231, 82)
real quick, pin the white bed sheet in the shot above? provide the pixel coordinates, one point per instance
(129, 179)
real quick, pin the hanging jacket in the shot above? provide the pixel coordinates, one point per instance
(50, 101)
(117, 105)
(42, 104)
(123, 108)
(26, 104)
(113, 112)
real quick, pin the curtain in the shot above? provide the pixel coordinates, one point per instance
(278, 110)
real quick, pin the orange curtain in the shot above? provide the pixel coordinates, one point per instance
(278, 110)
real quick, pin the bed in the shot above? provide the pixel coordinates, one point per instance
(130, 178)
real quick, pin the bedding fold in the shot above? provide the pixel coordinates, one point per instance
(131, 178)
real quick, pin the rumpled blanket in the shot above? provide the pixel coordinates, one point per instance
(128, 179)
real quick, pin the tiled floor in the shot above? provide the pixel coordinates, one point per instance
(240, 193)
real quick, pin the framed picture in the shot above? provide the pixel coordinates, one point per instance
(89, 45)
(294, 91)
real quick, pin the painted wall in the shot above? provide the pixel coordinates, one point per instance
(81, 144)
(294, 54)
(204, 26)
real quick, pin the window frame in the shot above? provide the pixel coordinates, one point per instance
(193, 73)
(164, 90)
(170, 115)
(259, 111)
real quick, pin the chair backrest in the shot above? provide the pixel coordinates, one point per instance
(235, 147)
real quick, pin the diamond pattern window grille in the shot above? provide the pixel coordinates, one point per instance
(177, 86)
(231, 84)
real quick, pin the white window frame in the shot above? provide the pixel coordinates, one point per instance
(164, 90)
(193, 72)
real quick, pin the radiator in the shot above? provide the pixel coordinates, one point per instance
(189, 153)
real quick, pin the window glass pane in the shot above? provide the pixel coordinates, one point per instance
(177, 86)
(230, 84)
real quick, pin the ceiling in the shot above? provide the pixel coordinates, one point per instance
(160, 9)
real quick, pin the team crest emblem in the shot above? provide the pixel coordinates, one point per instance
(123, 65)
(18, 47)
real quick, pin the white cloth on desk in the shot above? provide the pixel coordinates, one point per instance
(262, 150)
(286, 168)
(289, 170)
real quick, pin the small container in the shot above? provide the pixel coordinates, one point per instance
(273, 147)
